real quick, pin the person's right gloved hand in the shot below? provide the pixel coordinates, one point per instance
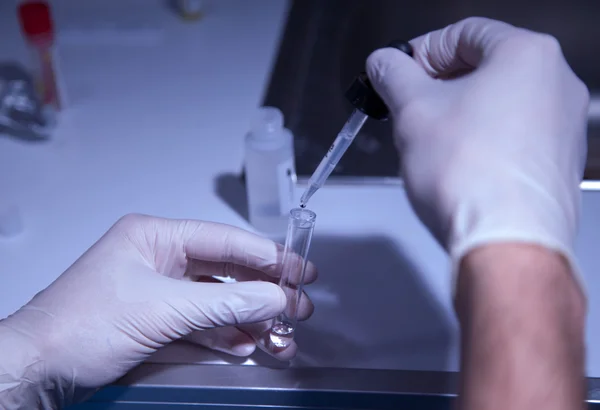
(490, 122)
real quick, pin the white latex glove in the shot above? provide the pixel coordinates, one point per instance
(137, 289)
(490, 123)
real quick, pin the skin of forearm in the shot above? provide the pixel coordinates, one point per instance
(522, 318)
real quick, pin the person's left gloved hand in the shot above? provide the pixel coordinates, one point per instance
(141, 286)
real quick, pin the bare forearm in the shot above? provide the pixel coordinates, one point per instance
(522, 321)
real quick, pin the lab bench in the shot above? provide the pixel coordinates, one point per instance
(252, 387)
(120, 148)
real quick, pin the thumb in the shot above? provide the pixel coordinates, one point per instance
(395, 76)
(224, 304)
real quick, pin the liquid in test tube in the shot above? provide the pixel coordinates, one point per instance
(300, 229)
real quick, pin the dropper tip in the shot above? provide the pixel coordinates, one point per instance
(306, 195)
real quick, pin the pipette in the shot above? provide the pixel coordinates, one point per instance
(367, 103)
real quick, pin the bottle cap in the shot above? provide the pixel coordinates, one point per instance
(363, 96)
(36, 21)
(267, 122)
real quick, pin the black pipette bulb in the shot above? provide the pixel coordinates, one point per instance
(402, 45)
(363, 96)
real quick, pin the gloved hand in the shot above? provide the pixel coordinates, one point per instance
(490, 123)
(137, 289)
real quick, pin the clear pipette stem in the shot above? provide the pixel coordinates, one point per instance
(334, 154)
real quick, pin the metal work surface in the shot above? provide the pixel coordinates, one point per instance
(209, 386)
(326, 43)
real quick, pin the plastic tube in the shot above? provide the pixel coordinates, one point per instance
(37, 26)
(270, 172)
(301, 224)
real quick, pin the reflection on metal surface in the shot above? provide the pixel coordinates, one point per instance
(586, 185)
(326, 43)
(379, 384)
(590, 185)
(594, 111)
(307, 378)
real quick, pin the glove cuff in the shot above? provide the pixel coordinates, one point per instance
(502, 237)
(21, 371)
(519, 212)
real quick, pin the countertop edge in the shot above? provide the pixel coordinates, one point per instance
(315, 379)
(585, 185)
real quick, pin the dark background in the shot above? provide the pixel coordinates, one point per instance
(326, 43)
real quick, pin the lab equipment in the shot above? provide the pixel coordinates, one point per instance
(367, 103)
(21, 113)
(38, 29)
(270, 172)
(297, 244)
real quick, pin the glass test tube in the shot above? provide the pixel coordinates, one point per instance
(301, 224)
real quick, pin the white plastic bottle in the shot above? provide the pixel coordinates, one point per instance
(270, 172)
